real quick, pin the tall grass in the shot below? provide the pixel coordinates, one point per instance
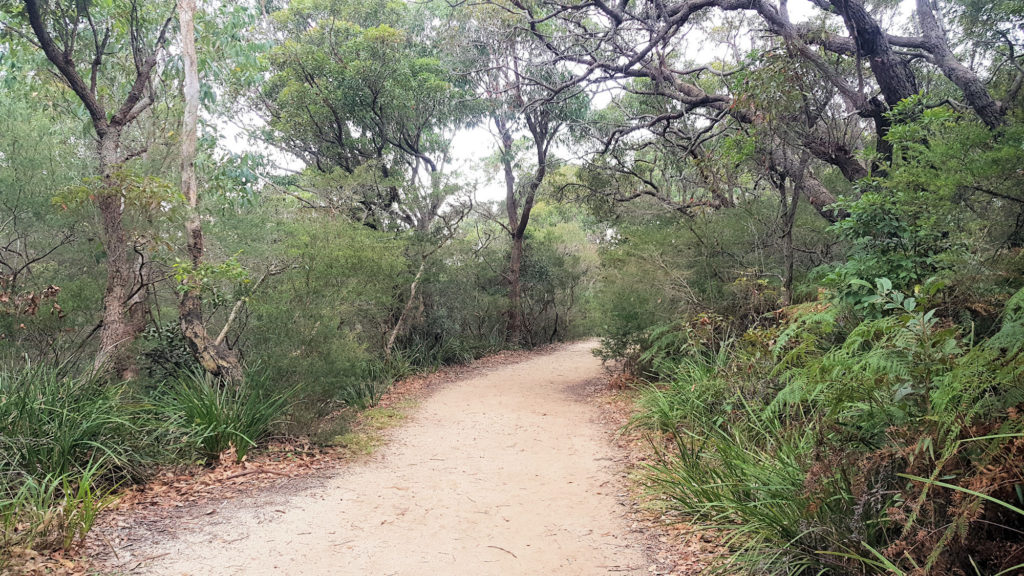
(66, 443)
(214, 416)
(55, 425)
(69, 442)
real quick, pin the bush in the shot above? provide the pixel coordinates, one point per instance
(215, 417)
(894, 451)
(67, 442)
(695, 389)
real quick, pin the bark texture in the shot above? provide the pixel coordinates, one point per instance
(519, 201)
(894, 76)
(514, 324)
(973, 88)
(124, 313)
(403, 318)
(214, 356)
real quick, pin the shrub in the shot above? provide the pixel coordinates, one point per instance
(214, 417)
(894, 451)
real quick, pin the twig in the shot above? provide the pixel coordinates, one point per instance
(260, 471)
(505, 551)
(147, 559)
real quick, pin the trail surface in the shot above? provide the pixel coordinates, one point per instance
(502, 473)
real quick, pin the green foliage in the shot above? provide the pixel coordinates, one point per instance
(55, 425)
(320, 323)
(165, 351)
(802, 456)
(695, 389)
(39, 156)
(189, 277)
(723, 263)
(948, 206)
(215, 417)
(556, 277)
(364, 394)
(67, 443)
(896, 236)
(360, 88)
(53, 511)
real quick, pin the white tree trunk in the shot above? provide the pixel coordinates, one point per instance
(214, 357)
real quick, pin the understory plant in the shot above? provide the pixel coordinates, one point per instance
(67, 443)
(214, 416)
(893, 447)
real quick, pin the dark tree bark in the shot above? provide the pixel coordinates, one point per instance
(973, 88)
(519, 201)
(893, 73)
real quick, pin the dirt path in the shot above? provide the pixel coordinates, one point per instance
(502, 473)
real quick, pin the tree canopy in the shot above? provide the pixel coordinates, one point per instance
(797, 228)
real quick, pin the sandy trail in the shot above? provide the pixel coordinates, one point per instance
(502, 473)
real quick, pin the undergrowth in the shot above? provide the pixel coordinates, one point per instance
(214, 416)
(879, 440)
(70, 442)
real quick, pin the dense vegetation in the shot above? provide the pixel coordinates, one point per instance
(799, 230)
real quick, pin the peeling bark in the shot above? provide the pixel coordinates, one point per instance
(213, 356)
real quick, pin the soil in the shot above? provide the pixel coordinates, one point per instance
(513, 469)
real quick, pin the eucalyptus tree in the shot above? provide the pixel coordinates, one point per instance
(358, 91)
(531, 104)
(658, 48)
(212, 354)
(111, 56)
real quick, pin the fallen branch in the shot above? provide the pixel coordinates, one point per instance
(259, 471)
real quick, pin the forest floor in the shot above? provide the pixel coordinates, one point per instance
(514, 466)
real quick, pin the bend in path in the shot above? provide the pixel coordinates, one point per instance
(503, 473)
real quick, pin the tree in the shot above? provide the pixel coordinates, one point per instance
(373, 116)
(359, 94)
(39, 240)
(623, 42)
(82, 41)
(211, 353)
(525, 95)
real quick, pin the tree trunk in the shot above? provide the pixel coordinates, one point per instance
(893, 74)
(123, 298)
(406, 310)
(515, 310)
(514, 319)
(782, 161)
(974, 89)
(789, 207)
(124, 313)
(214, 357)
